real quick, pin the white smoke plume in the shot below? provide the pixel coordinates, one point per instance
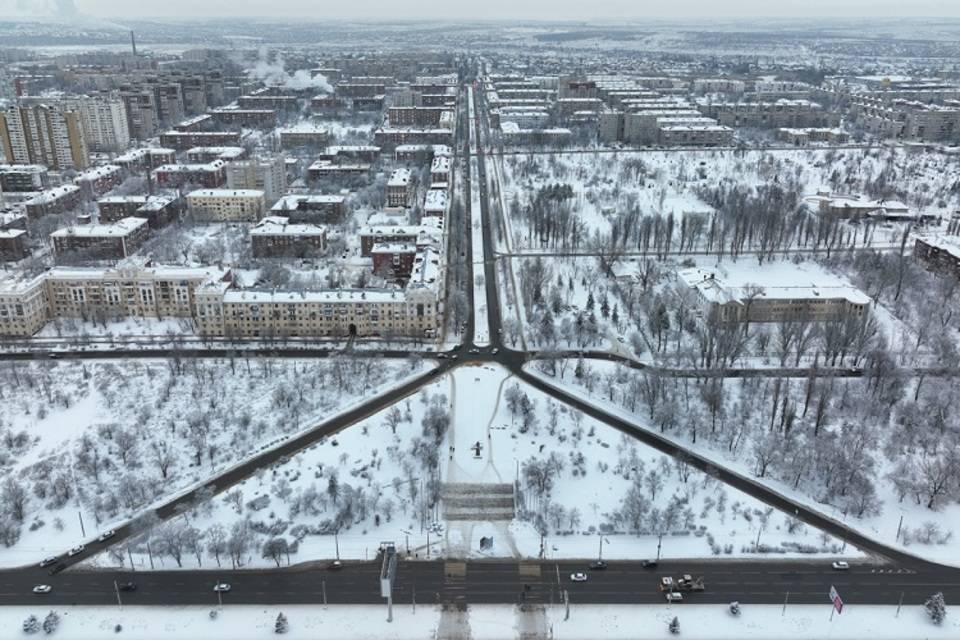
(273, 74)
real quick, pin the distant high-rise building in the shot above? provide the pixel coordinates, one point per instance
(43, 134)
(104, 120)
(266, 172)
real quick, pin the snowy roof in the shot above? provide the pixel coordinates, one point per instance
(97, 172)
(225, 153)
(279, 226)
(399, 178)
(393, 247)
(436, 200)
(326, 296)
(739, 283)
(426, 269)
(292, 202)
(226, 193)
(215, 165)
(11, 233)
(51, 195)
(304, 127)
(440, 164)
(121, 199)
(122, 227)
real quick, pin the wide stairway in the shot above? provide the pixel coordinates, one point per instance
(475, 501)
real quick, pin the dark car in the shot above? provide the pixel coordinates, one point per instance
(57, 568)
(648, 564)
(336, 565)
(598, 565)
(127, 586)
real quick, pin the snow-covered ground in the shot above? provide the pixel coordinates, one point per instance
(492, 622)
(887, 525)
(481, 331)
(88, 444)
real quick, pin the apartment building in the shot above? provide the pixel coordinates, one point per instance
(43, 134)
(303, 135)
(440, 170)
(326, 170)
(398, 188)
(158, 211)
(771, 115)
(133, 288)
(256, 118)
(803, 137)
(265, 172)
(111, 241)
(388, 137)
(350, 153)
(201, 155)
(183, 140)
(23, 178)
(268, 102)
(57, 200)
(737, 302)
(197, 123)
(141, 110)
(227, 205)
(422, 235)
(96, 181)
(172, 176)
(695, 135)
(13, 244)
(907, 120)
(311, 208)
(275, 237)
(412, 116)
(145, 159)
(393, 260)
(421, 153)
(436, 203)
(104, 120)
(939, 253)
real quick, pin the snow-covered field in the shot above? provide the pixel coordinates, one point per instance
(605, 185)
(492, 622)
(742, 442)
(95, 442)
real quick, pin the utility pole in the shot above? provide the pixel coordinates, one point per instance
(130, 555)
(336, 542)
(83, 532)
(784, 612)
(600, 555)
(150, 554)
(323, 588)
(899, 604)
(659, 544)
(566, 602)
(899, 526)
(756, 545)
(414, 598)
(219, 596)
(117, 590)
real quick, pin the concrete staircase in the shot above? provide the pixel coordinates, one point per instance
(475, 501)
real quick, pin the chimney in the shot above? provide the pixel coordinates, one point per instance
(18, 87)
(133, 43)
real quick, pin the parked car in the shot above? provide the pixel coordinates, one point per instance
(46, 562)
(221, 587)
(127, 586)
(578, 577)
(42, 588)
(77, 549)
(666, 583)
(841, 565)
(673, 596)
(106, 535)
(336, 565)
(598, 565)
(648, 564)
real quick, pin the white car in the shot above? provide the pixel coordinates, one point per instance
(77, 549)
(673, 596)
(578, 577)
(42, 588)
(221, 587)
(106, 535)
(840, 565)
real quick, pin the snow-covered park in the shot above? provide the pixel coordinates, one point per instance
(89, 444)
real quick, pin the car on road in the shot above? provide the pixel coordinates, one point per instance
(673, 596)
(57, 568)
(46, 562)
(336, 565)
(578, 577)
(42, 588)
(666, 583)
(221, 587)
(127, 586)
(495, 351)
(648, 564)
(76, 550)
(840, 565)
(474, 350)
(106, 535)
(598, 565)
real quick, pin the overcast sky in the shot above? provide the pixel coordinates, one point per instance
(521, 9)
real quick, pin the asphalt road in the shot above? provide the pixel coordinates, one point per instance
(429, 582)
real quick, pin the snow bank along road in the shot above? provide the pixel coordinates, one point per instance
(760, 582)
(749, 581)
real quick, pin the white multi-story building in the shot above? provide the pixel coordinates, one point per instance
(43, 134)
(104, 122)
(227, 205)
(266, 172)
